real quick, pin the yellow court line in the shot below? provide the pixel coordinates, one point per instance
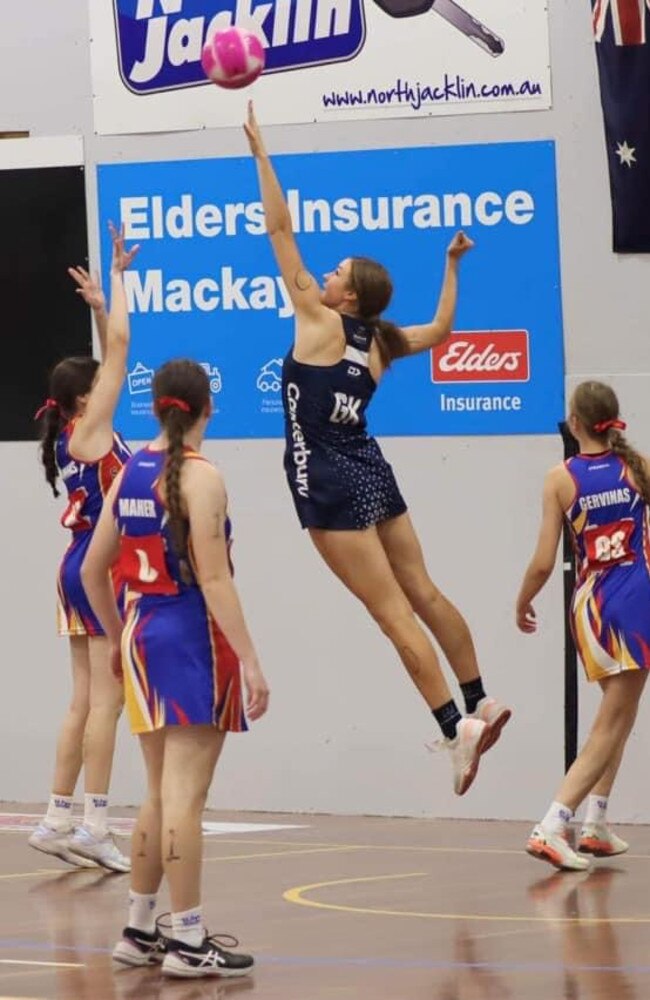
(296, 895)
(47, 965)
(401, 847)
(279, 854)
(379, 847)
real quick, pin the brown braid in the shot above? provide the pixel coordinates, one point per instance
(53, 424)
(176, 424)
(621, 446)
(183, 389)
(594, 403)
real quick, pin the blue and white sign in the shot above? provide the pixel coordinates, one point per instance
(326, 60)
(205, 284)
(155, 46)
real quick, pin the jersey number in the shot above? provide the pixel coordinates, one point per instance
(72, 516)
(143, 565)
(609, 543)
(147, 573)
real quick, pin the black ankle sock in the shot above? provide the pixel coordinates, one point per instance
(447, 717)
(472, 693)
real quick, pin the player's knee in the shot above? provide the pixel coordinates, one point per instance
(78, 710)
(615, 717)
(107, 709)
(394, 621)
(425, 596)
(182, 800)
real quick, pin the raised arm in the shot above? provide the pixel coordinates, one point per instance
(204, 494)
(541, 565)
(95, 574)
(90, 291)
(94, 431)
(424, 336)
(301, 286)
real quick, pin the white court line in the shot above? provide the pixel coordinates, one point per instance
(48, 965)
(19, 822)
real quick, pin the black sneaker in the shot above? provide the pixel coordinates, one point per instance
(208, 959)
(140, 948)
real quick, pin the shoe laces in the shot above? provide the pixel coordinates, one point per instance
(223, 941)
(219, 940)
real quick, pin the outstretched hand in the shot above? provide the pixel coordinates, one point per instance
(459, 245)
(88, 287)
(253, 134)
(121, 258)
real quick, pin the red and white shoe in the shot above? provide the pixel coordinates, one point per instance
(599, 840)
(494, 715)
(555, 849)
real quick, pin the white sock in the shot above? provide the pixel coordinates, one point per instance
(59, 812)
(188, 927)
(141, 911)
(96, 813)
(557, 818)
(596, 810)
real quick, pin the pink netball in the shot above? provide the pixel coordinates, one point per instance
(233, 58)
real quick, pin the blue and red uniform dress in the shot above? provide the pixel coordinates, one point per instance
(179, 669)
(338, 477)
(611, 532)
(87, 484)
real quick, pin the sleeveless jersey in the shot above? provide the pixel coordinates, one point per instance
(87, 483)
(610, 611)
(179, 669)
(336, 472)
(329, 402)
(609, 518)
(148, 560)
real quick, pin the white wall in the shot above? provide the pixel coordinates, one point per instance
(346, 732)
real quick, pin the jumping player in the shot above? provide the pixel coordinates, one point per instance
(344, 490)
(180, 649)
(80, 446)
(604, 493)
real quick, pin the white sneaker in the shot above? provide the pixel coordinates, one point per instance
(493, 714)
(57, 844)
(555, 849)
(599, 840)
(465, 750)
(103, 850)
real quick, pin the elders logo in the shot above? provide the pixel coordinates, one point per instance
(482, 356)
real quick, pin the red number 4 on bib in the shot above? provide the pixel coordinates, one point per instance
(608, 544)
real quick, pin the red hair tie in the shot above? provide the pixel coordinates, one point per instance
(49, 404)
(605, 425)
(167, 402)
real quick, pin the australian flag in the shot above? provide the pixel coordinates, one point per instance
(621, 28)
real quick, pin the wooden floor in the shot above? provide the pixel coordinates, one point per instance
(383, 909)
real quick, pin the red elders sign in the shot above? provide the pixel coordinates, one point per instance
(482, 356)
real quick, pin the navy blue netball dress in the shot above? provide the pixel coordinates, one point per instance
(338, 477)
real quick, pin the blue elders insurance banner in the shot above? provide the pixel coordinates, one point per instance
(326, 60)
(206, 284)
